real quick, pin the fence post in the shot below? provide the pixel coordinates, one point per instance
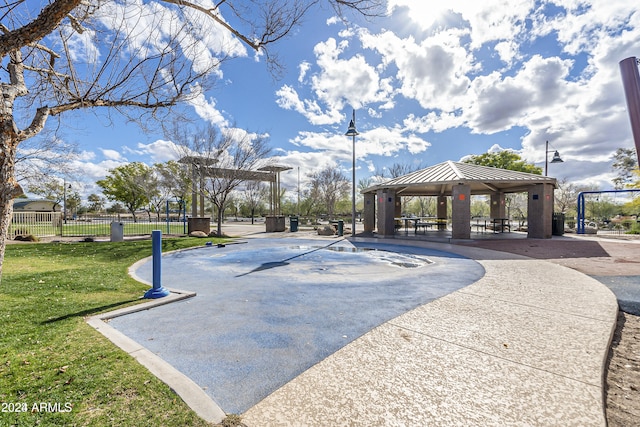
(166, 212)
(157, 291)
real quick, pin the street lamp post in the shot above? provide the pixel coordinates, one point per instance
(352, 132)
(556, 158)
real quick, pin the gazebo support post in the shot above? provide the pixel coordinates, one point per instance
(386, 212)
(369, 213)
(540, 211)
(461, 211)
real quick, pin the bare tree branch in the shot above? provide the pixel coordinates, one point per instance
(47, 21)
(213, 14)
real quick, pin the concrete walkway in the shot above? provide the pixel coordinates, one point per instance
(524, 345)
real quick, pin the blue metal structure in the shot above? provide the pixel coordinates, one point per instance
(581, 205)
(157, 291)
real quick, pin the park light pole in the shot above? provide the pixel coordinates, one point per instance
(352, 132)
(556, 158)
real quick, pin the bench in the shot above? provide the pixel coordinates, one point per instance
(500, 224)
(440, 224)
(480, 227)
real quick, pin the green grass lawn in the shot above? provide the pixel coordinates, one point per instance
(130, 228)
(54, 365)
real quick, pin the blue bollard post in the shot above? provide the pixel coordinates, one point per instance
(157, 291)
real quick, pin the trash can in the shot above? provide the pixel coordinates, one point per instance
(340, 227)
(557, 225)
(117, 231)
(293, 224)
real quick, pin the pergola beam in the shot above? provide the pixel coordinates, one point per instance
(244, 175)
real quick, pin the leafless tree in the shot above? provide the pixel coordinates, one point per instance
(129, 57)
(396, 170)
(254, 194)
(330, 185)
(517, 207)
(224, 159)
(427, 205)
(39, 159)
(565, 196)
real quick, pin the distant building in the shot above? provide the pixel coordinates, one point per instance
(32, 205)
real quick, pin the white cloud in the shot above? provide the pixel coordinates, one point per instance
(304, 67)
(548, 69)
(500, 103)
(85, 156)
(584, 24)
(307, 162)
(81, 46)
(206, 108)
(160, 151)
(379, 141)
(333, 20)
(152, 26)
(288, 98)
(433, 72)
(339, 82)
(385, 141)
(507, 51)
(352, 81)
(113, 155)
(486, 21)
(433, 122)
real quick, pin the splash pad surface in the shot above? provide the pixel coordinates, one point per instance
(268, 309)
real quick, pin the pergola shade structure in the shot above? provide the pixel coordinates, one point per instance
(460, 181)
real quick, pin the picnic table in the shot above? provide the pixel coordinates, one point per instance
(420, 222)
(497, 225)
(500, 224)
(426, 223)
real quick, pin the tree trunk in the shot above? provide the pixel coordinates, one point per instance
(10, 137)
(220, 215)
(9, 188)
(6, 210)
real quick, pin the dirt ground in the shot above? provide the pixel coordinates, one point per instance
(599, 257)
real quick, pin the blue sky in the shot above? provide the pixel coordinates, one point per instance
(430, 82)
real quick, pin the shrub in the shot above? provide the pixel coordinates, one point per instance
(635, 229)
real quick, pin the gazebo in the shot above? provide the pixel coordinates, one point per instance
(460, 181)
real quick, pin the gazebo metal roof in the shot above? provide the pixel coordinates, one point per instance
(439, 179)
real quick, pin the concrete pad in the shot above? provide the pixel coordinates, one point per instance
(513, 332)
(545, 285)
(524, 345)
(396, 377)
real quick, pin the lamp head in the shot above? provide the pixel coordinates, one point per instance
(352, 129)
(556, 158)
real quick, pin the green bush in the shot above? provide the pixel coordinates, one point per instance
(635, 229)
